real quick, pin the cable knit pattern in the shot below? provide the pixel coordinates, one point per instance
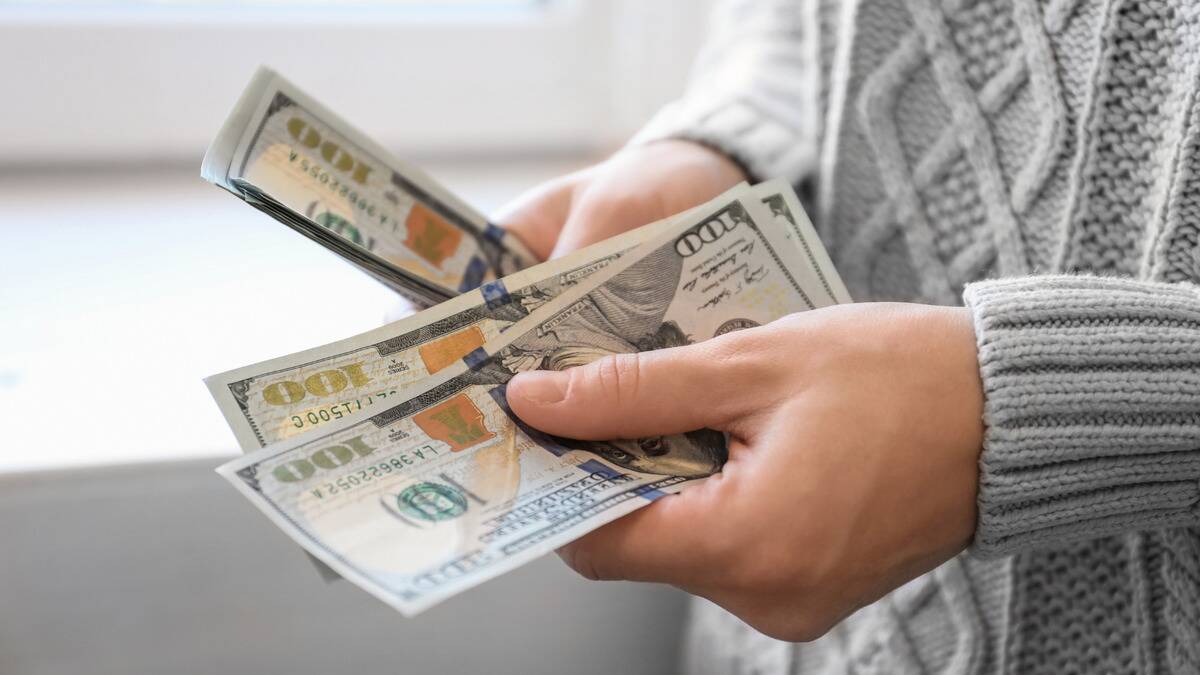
(735, 94)
(1052, 146)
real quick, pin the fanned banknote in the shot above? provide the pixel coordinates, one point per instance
(290, 395)
(445, 488)
(289, 156)
(293, 394)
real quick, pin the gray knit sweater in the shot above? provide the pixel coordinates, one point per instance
(1052, 146)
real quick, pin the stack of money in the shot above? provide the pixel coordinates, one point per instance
(287, 155)
(392, 456)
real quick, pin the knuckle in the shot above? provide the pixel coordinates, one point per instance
(799, 608)
(749, 362)
(751, 348)
(791, 619)
(618, 376)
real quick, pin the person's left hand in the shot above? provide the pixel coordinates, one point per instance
(854, 439)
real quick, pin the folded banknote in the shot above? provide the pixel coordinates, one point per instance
(291, 157)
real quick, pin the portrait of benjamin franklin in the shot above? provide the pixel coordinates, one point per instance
(626, 314)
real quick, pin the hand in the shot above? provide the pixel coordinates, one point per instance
(639, 185)
(854, 438)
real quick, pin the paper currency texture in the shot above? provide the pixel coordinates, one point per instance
(445, 488)
(287, 155)
(297, 393)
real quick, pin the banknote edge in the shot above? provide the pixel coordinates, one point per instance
(248, 439)
(807, 238)
(218, 158)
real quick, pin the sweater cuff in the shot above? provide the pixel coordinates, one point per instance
(764, 146)
(1092, 409)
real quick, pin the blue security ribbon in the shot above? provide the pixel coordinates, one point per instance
(473, 276)
(495, 294)
(493, 232)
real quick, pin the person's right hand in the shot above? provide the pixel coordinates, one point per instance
(636, 186)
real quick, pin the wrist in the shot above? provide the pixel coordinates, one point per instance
(960, 407)
(971, 384)
(723, 168)
(730, 168)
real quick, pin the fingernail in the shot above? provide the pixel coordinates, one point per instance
(543, 386)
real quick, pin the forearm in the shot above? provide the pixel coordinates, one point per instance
(1092, 408)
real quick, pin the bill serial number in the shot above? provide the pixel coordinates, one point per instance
(339, 188)
(365, 476)
(338, 410)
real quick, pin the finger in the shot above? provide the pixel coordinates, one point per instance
(668, 391)
(537, 216)
(599, 219)
(659, 543)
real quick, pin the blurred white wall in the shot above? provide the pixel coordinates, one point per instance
(148, 81)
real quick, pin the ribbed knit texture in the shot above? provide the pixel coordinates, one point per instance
(1092, 391)
(1052, 146)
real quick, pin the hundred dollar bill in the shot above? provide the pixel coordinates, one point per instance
(783, 203)
(293, 394)
(446, 489)
(287, 155)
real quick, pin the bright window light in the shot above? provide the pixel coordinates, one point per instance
(169, 8)
(332, 4)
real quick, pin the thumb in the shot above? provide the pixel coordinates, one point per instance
(668, 391)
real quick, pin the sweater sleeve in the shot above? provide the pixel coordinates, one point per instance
(1092, 408)
(754, 89)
